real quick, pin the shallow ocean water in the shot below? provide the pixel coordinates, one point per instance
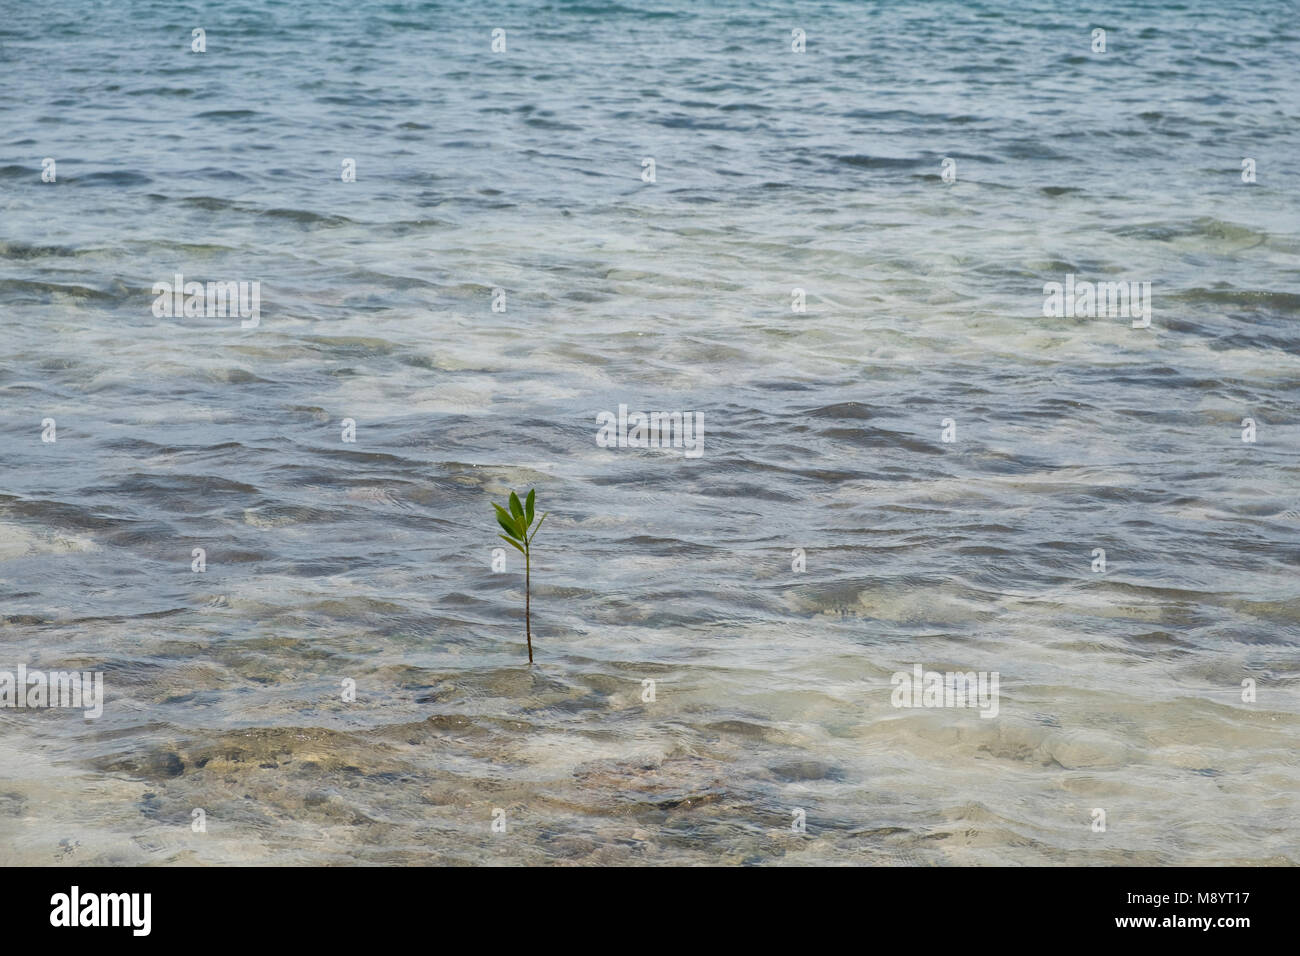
(371, 561)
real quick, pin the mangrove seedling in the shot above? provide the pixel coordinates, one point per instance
(516, 523)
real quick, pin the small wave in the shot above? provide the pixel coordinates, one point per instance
(882, 162)
(30, 290)
(23, 250)
(118, 177)
(227, 114)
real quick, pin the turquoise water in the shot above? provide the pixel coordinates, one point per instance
(522, 171)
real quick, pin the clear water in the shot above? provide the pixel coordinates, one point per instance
(775, 170)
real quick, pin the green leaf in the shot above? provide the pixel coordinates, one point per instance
(519, 546)
(538, 528)
(528, 505)
(507, 521)
(516, 508)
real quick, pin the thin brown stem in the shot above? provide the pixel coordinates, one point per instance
(528, 598)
